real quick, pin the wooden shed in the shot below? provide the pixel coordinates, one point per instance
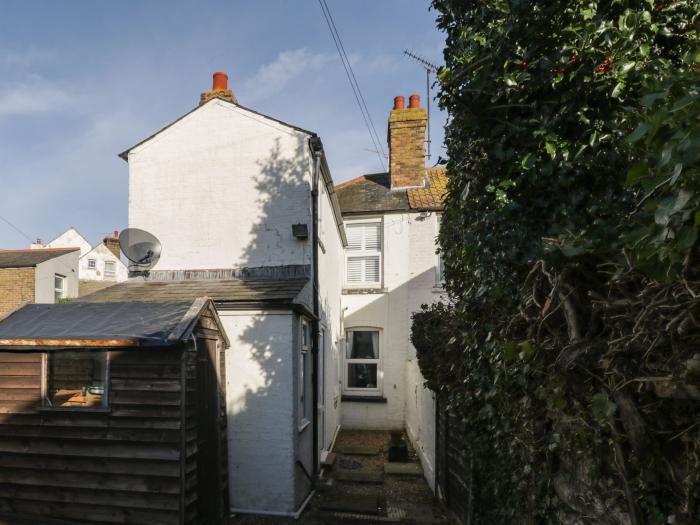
(114, 413)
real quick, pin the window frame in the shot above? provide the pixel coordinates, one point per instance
(62, 290)
(365, 253)
(45, 402)
(364, 392)
(92, 264)
(304, 395)
(114, 270)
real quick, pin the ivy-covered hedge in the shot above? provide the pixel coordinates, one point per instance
(571, 344)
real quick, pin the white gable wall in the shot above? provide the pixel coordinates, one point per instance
(71, 238)
(221, 188)
(101, 254)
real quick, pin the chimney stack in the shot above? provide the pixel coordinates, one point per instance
(219, 89)
(407, 143)
(112, 244)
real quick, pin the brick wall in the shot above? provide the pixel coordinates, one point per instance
(407, 147)
(16, 287)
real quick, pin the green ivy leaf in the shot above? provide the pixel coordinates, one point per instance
(635, 173)
(687, 237)
(602, 407)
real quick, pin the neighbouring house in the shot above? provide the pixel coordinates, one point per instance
(245, 208)
(99, 266)
(114, 413)
(391, 268)
(45, 275)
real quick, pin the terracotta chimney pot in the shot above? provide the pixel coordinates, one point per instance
(220, 81)
(399, 102)
(414, 101)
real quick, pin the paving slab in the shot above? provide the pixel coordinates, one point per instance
(359, 476)
(403, 469)
(360, 504)
(357, 450)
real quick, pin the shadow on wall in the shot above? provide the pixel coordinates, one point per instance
(262, 418)
(283, 190)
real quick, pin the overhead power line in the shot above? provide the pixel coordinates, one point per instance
(3, 219)
(354, 85)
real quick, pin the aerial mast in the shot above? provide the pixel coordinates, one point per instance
(429, 68)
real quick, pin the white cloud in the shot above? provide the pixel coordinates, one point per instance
(23, 99)
(289, 65)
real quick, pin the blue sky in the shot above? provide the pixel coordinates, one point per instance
(81, 81)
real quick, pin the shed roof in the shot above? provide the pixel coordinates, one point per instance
(30, 258)
(221, 291)
(124, 324)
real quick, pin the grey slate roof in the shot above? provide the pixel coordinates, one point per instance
(151, 324)
(371, 193)
(30, 258)
(221, 291)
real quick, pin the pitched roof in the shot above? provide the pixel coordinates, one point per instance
(370, 193)
(221, 291)
(432, 195)
(133, 323)
(125, 154)
(30, 258)
(373, 193)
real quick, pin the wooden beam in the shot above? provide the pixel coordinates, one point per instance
(105, 343)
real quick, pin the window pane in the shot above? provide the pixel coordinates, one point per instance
(362, 375)
(363, 344)
(354, 269)
(354, 234)
(372, 269)
(372, 237)
(110, 268)
(58, 282)
(92, 263)
(76, 379)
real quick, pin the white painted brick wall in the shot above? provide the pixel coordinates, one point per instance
(260, 405)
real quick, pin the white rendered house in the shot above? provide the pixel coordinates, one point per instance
(245, 209)
(98, 263)
(390, 269)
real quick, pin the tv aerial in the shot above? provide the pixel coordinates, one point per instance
(141, 248)
(429, 68)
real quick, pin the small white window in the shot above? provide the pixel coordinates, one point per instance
(362, 362)
(92, 264)
(304, 374)
(110, 269)
(59, 287)
(363, 256)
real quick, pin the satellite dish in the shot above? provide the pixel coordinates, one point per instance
(141, 248)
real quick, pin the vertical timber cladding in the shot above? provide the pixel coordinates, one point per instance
(454, 473)
(115, 466)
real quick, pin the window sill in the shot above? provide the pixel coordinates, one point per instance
(360, 291)
(82, 410)
(305, 423)
(363, 399)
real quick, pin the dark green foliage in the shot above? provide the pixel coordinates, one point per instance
(570, 246)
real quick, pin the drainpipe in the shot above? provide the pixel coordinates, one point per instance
(316, 150)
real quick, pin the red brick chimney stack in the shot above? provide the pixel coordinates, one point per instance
(219, 89)
(407, 143)
(112, 244)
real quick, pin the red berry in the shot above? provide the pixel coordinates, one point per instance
(606, 61)
(574, 58)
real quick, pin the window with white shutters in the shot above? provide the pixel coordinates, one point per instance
(363, 256)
